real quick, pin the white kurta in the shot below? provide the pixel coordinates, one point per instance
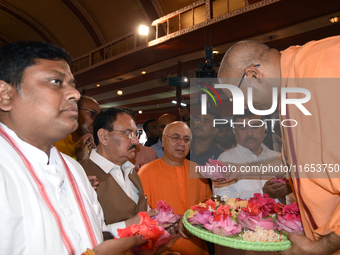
(27, 225)
(245, 188)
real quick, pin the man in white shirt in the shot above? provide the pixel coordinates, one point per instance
(120, 191)
(250, 148)
(47, 204)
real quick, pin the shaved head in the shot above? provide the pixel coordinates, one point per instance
(241, 55)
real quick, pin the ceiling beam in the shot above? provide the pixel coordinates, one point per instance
(86, 20)
(28, 21)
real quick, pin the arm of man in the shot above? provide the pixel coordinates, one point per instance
(327, 245)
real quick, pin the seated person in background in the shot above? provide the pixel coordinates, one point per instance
(225, 138)
(169, 179)
(150, 129)
(164, 120)
(120, 192)
(250, 148)
(80, 143)
(47, 204)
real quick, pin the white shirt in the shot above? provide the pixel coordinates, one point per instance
(158, 148)
(244, 188)
(123, 181)
(27, 223)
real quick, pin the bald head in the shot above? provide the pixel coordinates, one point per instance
(241, 55)
(164, 120)
(176, 143)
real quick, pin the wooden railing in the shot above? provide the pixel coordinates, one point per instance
(189, 16)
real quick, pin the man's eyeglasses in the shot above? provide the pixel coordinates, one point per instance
(129, 134)
(92, 112)
(177, 138)
(239, 85)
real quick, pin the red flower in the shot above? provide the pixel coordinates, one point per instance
(222, 212)
(147, 227)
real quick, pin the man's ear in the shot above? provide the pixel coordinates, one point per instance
(254, 72)
(6, 93)
(102, 136)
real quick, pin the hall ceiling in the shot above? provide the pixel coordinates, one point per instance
(88, 29)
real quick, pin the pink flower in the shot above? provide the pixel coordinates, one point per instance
(213, 169)
(292, 226)
(250, 222)
(281, 180)
(200, 218)
(165, 215)
(225, 227)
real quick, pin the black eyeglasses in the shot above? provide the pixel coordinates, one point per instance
(239, 85)
(92, 112)
(129, 134)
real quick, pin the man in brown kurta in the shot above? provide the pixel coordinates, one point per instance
(312, 147)
(120, 191)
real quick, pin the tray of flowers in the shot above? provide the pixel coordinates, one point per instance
(258, 224)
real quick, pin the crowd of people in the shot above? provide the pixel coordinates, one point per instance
(72, 174)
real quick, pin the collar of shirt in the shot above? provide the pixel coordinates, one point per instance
(106, 165)
(31, 152)
(249, 152)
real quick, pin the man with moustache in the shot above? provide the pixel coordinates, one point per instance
(225, 138)
(168, 179)
(120, 192)
(250, 148)
(80, 143)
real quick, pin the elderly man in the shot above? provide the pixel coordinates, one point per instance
(164, 120)
(47, 204)
(115, 135)
(80, 142)
(250, 148)
(169, 179)
(313, 141)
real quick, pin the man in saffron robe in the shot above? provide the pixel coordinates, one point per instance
(314, 142)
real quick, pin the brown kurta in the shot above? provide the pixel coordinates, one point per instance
(117, 206)
(315, 140)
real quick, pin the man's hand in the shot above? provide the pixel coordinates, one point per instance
(118, 246)
(93, 180)
(327, 245)
(276, 190)
(182, 230)
(84, 145)
(136, 219)
(184, 113)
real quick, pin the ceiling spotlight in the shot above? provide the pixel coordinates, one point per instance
(175, 102)
(98, 85)
(185, 79)
(119, 92)
(143, 30)
(215, 52)
(140, 111)
(334, 19)
(143, 72)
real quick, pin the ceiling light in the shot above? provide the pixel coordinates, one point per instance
(215, 52)
(98, 85)
(143, 30)
(143, 72)
(334, 19)
(175, 102)
(119, 92)
(140, 111)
